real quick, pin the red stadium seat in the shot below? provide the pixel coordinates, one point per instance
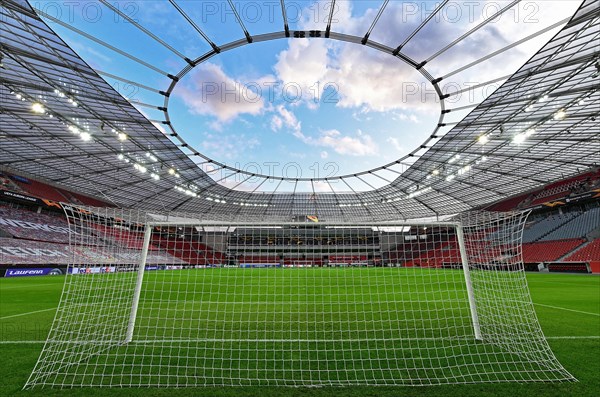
(588, 253)
(549, 251)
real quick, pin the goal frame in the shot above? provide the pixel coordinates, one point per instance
(478, 287)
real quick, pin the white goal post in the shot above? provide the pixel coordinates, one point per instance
(174, 300)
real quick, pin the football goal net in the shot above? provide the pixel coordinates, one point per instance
(174, 300)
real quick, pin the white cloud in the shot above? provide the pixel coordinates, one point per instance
(95, 55)
(375, 81)
(361, 145)
(297, 155)
(276, 123)
(220, 146)
(400, 116)
(313, 58)
(289, 118)
(213, 93)
(286, 118)
(363, 77)
(395, 143)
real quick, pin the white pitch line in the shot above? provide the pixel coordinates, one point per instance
(21, 342)
(28, 313)
(146, 342)
(569, 310)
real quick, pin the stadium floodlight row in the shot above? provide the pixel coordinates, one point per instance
(551, 102)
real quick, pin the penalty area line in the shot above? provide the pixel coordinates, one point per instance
(569, 310)
(28, 313)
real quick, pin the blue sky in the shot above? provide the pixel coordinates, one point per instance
(330, 108)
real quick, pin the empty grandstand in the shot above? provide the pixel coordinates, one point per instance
(35, 234)
(31, 236)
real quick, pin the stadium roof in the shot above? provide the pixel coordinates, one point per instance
(540, 126)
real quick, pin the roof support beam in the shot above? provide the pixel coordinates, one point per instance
(146, 31)
(423, 23)
(506, 48)
(102, 43)
(286, 26)
(379, 13)
(195, 26)
(470, 32)
(240, 22)
(330, 19)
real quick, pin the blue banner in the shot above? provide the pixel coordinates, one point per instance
(47, 271)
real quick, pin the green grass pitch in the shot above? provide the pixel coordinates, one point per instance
(568, 307)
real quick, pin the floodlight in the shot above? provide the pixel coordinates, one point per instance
(38, 108)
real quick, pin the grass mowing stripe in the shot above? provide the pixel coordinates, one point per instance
(27, 286)
(563, 283)
(28, 313)
(569, 310)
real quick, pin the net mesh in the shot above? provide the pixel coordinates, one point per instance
(293, 304)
